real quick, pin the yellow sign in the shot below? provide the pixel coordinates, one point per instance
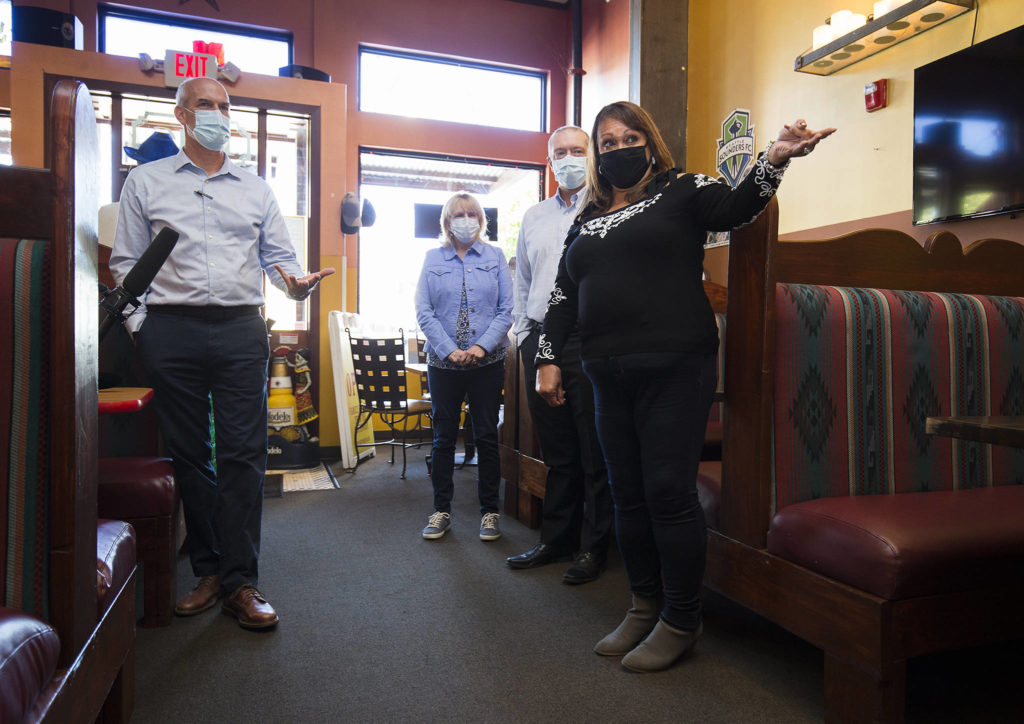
(346, 396)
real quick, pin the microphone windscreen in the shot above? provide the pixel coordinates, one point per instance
(137, 281)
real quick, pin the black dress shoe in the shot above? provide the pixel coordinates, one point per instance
(587, 567)
(540, 555)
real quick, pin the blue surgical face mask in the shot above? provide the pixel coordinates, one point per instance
(212, 131)
(570, 172)
(465, 228)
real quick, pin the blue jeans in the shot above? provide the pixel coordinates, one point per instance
(448, 388)
(187, 361)
(652, 410)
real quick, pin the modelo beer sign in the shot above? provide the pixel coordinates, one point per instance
(180, 65)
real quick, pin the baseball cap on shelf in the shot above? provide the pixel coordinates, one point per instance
(158, 145)
(356, 214)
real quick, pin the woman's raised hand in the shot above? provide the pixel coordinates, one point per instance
(795, 139)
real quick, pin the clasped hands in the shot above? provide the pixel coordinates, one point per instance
(468, 357)
(795, 139)
(298, 288)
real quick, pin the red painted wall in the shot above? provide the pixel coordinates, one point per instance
(605, 56)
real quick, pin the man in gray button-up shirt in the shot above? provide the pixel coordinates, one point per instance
(200, 336)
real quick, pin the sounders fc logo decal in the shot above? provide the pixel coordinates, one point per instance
(736, 146)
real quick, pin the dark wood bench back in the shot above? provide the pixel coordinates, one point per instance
(56, 209)
(759, 263)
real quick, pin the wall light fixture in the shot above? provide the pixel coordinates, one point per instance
(901, 22)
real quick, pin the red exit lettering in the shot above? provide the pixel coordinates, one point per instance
(189, 66)
(180, 65)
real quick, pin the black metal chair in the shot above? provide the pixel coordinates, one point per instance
(379, 364)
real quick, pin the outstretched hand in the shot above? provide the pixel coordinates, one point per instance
(796, 139)
(300, 287)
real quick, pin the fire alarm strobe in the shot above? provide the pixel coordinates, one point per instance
(876, 95)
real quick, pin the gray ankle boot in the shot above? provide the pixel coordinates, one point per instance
(639, 621)
(661, 649)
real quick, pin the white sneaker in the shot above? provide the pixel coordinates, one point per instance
(489, 527)
(437, 525)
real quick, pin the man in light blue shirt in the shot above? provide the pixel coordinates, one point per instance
(577, 515)
(200, 335)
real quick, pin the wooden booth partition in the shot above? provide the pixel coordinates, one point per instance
(521, 468)
(81, 579)
(841, 520)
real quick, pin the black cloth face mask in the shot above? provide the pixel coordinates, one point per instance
(624, 167)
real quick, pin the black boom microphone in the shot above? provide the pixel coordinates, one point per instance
(138, 279)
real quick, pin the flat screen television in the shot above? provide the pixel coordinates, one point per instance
(427, 221)
(969, 132)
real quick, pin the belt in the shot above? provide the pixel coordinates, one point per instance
(208, 313)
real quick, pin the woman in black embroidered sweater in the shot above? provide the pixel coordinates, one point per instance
(630, 278)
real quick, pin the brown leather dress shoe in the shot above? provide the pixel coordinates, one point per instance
(250, 608)
(200, 598)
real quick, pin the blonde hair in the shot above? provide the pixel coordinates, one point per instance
(446, 238)
(636, 118)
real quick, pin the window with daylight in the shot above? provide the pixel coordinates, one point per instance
(5, 27)
(420, 86)
(5, 138)
(131, 32)
(400, 187)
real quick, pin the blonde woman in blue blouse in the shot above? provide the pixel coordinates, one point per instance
(464, 309)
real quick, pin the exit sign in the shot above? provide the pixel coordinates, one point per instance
(180, 65)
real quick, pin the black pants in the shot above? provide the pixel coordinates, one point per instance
(577, 502)
(189, 361)
(652, 409)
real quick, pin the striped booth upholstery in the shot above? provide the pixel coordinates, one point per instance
(861, 492)
(24, 410)
(859, 370)
(29, 647)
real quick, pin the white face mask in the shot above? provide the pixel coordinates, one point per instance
(570, 172)
(212, 131)
(465, 228)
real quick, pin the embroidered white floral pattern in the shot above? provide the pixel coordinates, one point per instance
(544, 349)
(603, 224)
(700, 180)
(767, 176)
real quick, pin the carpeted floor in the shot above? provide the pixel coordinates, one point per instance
(379, 625)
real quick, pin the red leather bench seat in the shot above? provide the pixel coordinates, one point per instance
(713, 435)
(28, 660)
(709, 490)
(115, 560)
(908, 544)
